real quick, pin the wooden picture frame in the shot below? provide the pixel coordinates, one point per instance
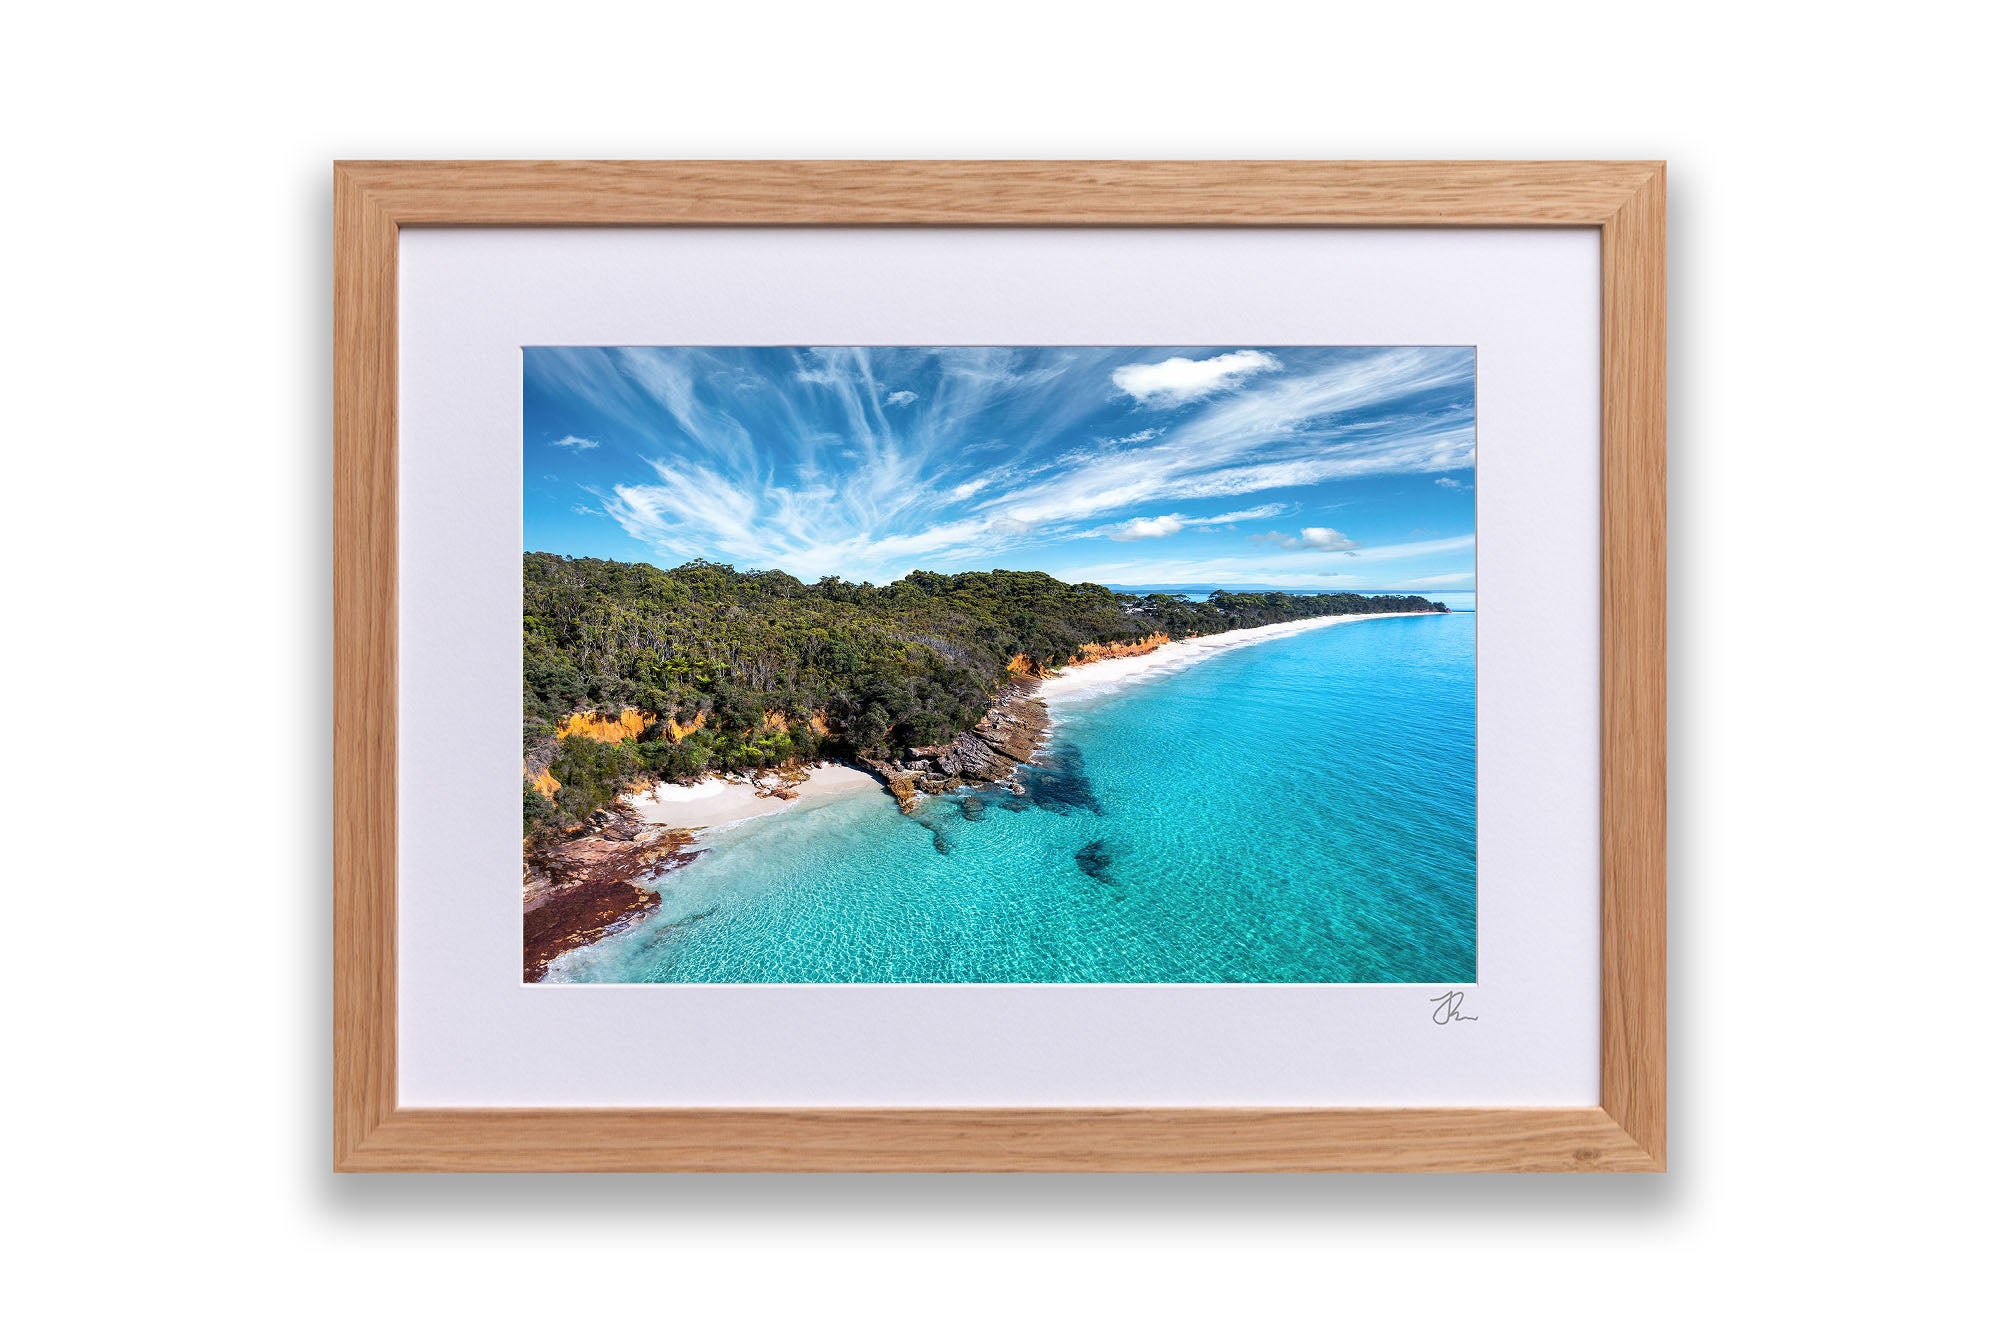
(1624, 201)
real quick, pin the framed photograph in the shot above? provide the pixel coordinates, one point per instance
(999, 666)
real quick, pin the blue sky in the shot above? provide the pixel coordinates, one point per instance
(1296, 467)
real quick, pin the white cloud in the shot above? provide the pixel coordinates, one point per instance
(576, 442)
(900, 397)
(1136, 437)
(1326, 539)
(1179, 380)
(1311, 539)
(1451, 485)
(1139, 529)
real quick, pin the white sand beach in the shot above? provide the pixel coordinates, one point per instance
(715, 801)
(1111, 673)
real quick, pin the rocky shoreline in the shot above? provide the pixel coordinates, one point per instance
(583, 888)
(1006, 737)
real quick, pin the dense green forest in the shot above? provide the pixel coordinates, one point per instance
(728, 670)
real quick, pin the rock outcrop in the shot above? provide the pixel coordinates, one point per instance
(1007, 737)
(585, 887)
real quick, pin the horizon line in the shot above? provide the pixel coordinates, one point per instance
(1222, 585)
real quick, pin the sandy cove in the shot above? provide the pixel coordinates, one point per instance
(584, 888)
(715, 801)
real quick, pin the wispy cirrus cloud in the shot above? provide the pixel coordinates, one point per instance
(1404, 564)
(1166, 525)
(1293, 432)
(573, 442)
(869, 461)
(1246, 515)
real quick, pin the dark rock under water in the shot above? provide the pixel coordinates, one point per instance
(1094, 860)
(934, 816)
(1056, 781)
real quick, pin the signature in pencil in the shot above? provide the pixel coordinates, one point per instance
(1447, 1009)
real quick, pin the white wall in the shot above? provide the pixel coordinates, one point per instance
(167, 331)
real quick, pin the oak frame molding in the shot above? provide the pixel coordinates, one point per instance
(1625, 201)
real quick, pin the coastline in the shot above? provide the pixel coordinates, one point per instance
(594, 885)
(1020, 722)
(1110, 673)
(852, 893)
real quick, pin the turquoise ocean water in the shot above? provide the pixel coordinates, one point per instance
(1294, 810)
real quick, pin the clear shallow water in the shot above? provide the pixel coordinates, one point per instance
(1296, 810)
